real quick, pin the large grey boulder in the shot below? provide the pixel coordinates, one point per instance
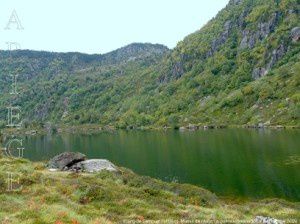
(94, 165)
(65, 160)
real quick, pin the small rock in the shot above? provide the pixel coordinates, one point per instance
(295, 34)
(130, 127)
(291, 11)
(261, 125)
(221, 126)
(208, 127)
(53, 170)
(65, 114)
(192, 127)
(267, 220)
(31, 132)
(182, 128)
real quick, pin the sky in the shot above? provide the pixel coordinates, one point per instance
(100, 26)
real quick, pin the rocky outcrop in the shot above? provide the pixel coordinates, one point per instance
(258, 73)
(241, 20)
(94, 165)
(276, 55)
(75, 161)
(295, 34)
(218, 42)
(65, 160)
(177, 70)
(249, 38)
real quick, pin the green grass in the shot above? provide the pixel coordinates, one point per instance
(63, 197)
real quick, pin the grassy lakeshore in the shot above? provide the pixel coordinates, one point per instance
(64, 197)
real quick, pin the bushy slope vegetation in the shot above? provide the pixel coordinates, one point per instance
(64, 197)
(242, 67)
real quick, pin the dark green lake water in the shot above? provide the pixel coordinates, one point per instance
(239, 163)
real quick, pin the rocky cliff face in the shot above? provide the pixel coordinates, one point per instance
(221, 40)
(246, 26)
(250, 38)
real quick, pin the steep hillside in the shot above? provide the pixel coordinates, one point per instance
(58, 86)
(242, 67)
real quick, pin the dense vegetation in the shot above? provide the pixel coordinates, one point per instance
(242, 67)
(64, 197)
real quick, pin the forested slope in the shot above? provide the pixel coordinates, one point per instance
(242, 67)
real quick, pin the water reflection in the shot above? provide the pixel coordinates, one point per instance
(247, 163)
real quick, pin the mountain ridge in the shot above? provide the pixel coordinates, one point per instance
(128, 46)
(228, 72)
(133, 50)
